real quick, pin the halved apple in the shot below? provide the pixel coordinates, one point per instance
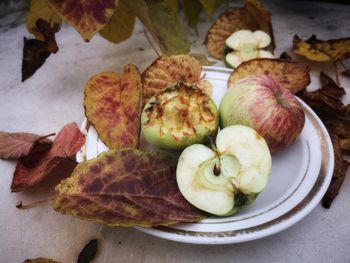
(222, 180)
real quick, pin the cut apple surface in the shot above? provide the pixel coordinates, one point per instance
(222, 180)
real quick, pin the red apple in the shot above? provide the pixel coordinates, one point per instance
(266, 106)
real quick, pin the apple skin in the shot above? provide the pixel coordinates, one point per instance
(266, 106)
(177, 120)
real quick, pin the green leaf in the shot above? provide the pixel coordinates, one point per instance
(162, 23)
(173, 5)
(192, 10)
(126, 187)
(121, 25)
(210, 6)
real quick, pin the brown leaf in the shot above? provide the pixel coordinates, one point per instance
(126, 187)
(292, 75)
(253, 16)
(17, 145)
(89, 252)
(86, 16)
(322, 50)
(40, 260)
(35, 52)
(285, 56)
(113, 104)
(340, 168)
(67, 143)
(337, 126)
(329, 87)
(168, 70)
(345, 144)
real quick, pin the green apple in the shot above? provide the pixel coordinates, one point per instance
(179, 116)
(222, 180)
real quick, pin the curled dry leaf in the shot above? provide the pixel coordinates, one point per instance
(67, 143)
(40, 260)
(329, 87)
(86, 16)
(17, 145)
(340, 168)
(292, 75)
(346, 73)
(89, 252)
(322, 50)
(253, 16)
(285, 56)
(168, 70)
(126, 187)
(113, 106)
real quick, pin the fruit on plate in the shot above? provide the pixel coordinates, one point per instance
(266, 106)
(179, 116)
(244, 45)
(230, 175)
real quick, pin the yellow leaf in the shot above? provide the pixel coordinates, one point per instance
(173, 5)
(322, 50)
(210, 6)
(121, 25)
(40, 9)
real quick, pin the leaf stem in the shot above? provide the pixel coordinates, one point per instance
(33, 204)
(150, 42)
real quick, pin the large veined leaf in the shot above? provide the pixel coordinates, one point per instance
(67, 143)
(112, 105)
(121, 25)
(126, 187)
(292, 75)
(322, 50)
(162, 22)
(40, 9)
(86, 16)
(18, 144)
(167, 70)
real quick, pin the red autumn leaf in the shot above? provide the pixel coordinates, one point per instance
(86, 16)
(17, 145)
(126, 187)
(67, 143)
(112, 106)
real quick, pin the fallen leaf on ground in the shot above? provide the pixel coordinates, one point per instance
(322, 50)
(86, 16)
(168, 70)
(126, 187)
(113, 104)
(292, 75)
(35, 51)
(329, 87)
(40, 260)
(340, 168)
(121, 25)
(89, 252)
(67, 143)
(19, 144)
(252, 16)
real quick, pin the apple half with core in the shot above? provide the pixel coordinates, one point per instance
(230, 175)
(179, 116)
(266, 106)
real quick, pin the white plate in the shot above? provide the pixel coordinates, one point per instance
(299, 178)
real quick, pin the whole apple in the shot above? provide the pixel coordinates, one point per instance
(266, 106)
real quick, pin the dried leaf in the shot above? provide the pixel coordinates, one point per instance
(210, 6)
(18, 144)
(173, 5)
(67, 143)
(126, 187)
(345, 144)
(86, 16)
(322, 50)
(40, 9)
(346, 73)
(285, 56)
(121, 25)
(192, 10)
(168, 70)
(329, 87)
(35, 51)
(203, 59)
(253, 16)
(40, 260)
(292, 75)
(112, 106)
(162, 23)
(89, 252)
(340, 168)
(337, 126)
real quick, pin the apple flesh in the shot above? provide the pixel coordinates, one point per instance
(179, 116)
(222, 180)
(266, 106)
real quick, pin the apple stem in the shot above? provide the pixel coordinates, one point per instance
(216, 169)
